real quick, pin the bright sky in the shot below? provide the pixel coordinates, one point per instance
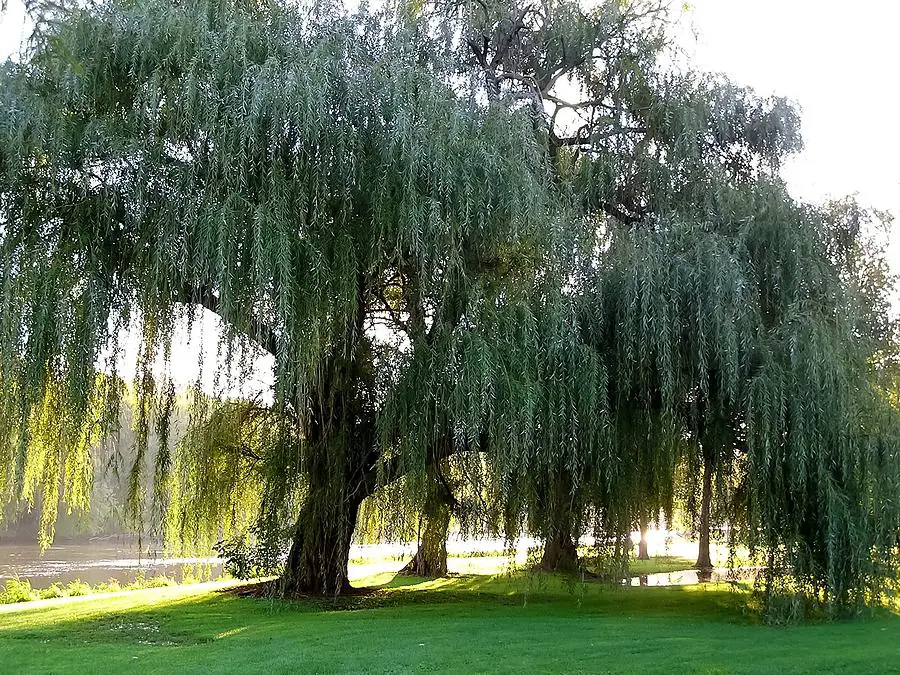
(839, 61)
(836, 59)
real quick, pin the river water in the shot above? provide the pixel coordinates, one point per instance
(94, 562)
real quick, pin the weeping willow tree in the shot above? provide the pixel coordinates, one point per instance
(498, 231)
(308, 177)
(770, 373)
(631, 146)
(717, 309)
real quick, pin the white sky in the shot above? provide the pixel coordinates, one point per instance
(837, 60)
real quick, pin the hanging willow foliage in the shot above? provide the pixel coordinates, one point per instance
(500, 232)
(719, 309)
(295, 172)
(744, 317)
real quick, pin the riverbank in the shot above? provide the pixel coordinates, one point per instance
(119, 560)
(462, 624)
(657, 571)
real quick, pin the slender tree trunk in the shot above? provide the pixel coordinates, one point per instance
(704, 561)
(643, 552)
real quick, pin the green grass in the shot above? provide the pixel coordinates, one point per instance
(462, 624)
(659, 565)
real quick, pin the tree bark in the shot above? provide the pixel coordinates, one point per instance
(340, 457)
(560, 547)
(320, 552)
(560, 553)
(704, 561)
(430, 559)
(643, 552)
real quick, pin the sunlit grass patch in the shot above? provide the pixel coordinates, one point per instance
(659, 565)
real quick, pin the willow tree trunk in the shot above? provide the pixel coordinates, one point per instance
(339, 480)
(430, 559)
(339, 455)
(560, 553)
(560, 547)
(704, 561)
(643, 550)
(319, 555)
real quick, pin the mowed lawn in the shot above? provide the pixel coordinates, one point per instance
(464, 624)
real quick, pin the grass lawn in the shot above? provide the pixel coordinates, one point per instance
(659, 565)
(462, 624)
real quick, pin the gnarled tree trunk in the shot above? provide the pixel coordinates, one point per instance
(340, 457)
(560, 553)
(430, 559)
(319, 555)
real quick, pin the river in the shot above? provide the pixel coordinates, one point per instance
(94, 562)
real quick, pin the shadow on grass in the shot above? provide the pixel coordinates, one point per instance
(148, 624)
(519, 623)
(553, 592)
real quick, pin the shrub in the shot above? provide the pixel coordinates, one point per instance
(78, 587)
(52, 591)
(111, 586)
(159, 581)
(16, 590)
